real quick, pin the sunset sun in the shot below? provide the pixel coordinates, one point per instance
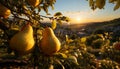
(78, 19)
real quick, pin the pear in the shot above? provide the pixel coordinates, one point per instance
(23, 42)
(34, 2)
(4, 11)
(49, 43)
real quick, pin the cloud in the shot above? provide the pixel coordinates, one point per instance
(83, 14)
(73, 14)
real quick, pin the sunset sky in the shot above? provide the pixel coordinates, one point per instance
(80, 12)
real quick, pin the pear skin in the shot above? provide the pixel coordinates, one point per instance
(4, 11)
(34, 2)
(23, 42)
(49, 43)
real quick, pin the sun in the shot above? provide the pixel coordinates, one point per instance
(78, 18)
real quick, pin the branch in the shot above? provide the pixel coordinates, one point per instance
(21, 18)
(3, 26)
(12, 62)
(46, 17)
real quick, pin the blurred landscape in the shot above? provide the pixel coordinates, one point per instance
(88, 28)
(84, 29)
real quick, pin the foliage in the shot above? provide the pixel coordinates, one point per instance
(74, 52)
(96, 41)
(101, 3)
(111, 52)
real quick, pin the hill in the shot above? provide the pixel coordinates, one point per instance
(89, 28)
(96, 25)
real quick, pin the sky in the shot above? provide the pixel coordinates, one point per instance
(80, 12)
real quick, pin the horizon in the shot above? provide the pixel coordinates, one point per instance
(65, 23)
(80, 12)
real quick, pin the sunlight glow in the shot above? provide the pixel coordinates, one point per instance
(78, 19)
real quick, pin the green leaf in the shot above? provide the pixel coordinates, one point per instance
(68, 40)
(62, 55)
(45, 8)
(58, 14)
(64, 18)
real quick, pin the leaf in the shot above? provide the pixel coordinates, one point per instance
(51, 67)
(64, 18)
(58, 65)
(100, 3)
(67, 19)
(68, 40)
(53, 24)
(91, 2)
(73, 59)
(61, 55)
(83, 39)
(52, 6)
(45, 9)
(25, 7)
(59, 21)
(111, 1)
(58, 14)
(117, 5)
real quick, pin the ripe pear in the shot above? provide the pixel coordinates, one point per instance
(4, 12)
(34, 2)
(49, 43)
(23, 42)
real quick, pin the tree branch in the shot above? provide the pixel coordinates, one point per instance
(3, 26)
(46, 17)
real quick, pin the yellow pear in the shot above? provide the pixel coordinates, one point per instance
(49, 43)
(23, 42)
(4, 12)
(34, 2)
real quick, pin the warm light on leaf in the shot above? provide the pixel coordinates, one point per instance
(91, 2)
(83, 39)
(64, 18)
(100, 4)
(117, 5)
(53, 24)
(68, 40)
(58, 14)
(61, 55)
